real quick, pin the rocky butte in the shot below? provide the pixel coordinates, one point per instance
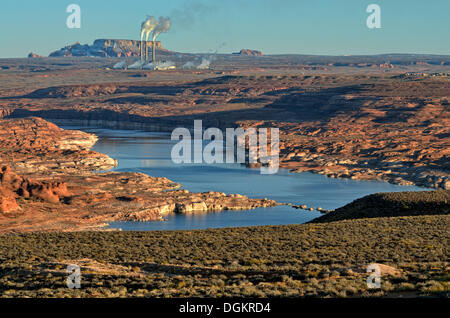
(104, 48)
(34, 55)
(247, 52)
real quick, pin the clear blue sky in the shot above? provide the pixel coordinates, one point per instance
(325, 27)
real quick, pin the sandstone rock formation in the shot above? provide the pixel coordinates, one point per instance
(51, 185)
(33, 144)
(34, 55)
(13, 186)
(247, 52)
(361, 127)
(104, 48)
(88, 200)
(7, 201)
(368, 124)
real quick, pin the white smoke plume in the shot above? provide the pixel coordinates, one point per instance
(206, 62)
(120, 65)
(165, 64)
(147, 28)
(148, 66)
(161, 65)
(189, 65)
(162, 26)
(136, 65)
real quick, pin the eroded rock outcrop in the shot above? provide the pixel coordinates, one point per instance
(359, 127)
(88, 200)
(32, 144)
(7, 201)
(47, 183)
(34, 55)
(13, 186)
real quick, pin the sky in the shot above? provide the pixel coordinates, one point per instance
(323, 27)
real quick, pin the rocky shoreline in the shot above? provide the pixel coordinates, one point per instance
(48, 182)
(306, 159)
(382, 127)
(340, 121)
(33, 145)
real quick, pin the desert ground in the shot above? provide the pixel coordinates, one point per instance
(365, 118)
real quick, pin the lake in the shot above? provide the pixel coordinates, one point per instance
(149, 153)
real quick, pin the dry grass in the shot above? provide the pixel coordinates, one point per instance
(320, 260)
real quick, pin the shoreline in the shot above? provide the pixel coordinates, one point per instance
(382, 127)
(295, 167)
(68, 194)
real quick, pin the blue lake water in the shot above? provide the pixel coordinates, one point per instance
(149, 152)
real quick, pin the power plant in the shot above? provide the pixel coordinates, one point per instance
(154, 27)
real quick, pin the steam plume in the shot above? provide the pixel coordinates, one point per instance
(147, 27)
(161, 27)
(206, 63)
(136, 65)
(159, 65)
(189, 65)
(120, 65)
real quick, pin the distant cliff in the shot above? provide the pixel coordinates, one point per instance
(104, 48)
(247, 52)
(34, 55)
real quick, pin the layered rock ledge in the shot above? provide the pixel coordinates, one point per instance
(48, 183)
(32, 145)
(392, 128)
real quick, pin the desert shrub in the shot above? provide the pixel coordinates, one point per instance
(297, 260)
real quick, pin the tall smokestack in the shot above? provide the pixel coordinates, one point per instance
(143, 30)
(154, 53)
(147, 27)
(140, 44)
